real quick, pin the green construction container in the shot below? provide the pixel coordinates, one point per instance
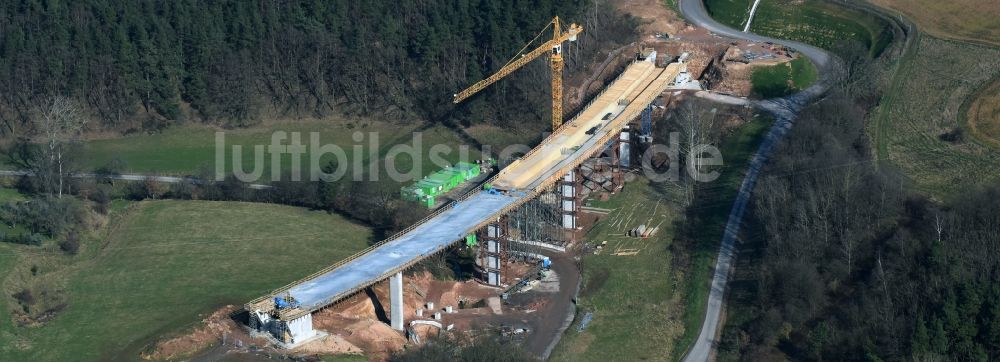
(430, 187)
(429, 201)
(468, 170)
(447, 179)
(455, 177)
(440, 182)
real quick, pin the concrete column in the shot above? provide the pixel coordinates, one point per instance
(625, 149)
(492, 252)
(570, 202)
(396, 301)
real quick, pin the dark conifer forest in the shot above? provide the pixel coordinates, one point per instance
(143, 65)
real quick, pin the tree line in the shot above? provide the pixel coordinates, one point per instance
(144, 65)
(848, 263)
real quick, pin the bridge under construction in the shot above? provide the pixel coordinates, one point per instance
(602, 124)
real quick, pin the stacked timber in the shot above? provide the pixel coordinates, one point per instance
(642, 231)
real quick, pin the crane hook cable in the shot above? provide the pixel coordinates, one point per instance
(528, 44)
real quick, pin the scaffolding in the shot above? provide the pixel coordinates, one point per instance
(647, 121)
(535, 221)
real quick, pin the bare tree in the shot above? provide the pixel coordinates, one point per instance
(696, 123)
(938, 226)
(60, 125)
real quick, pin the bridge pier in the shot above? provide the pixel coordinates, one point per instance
(624, 159)
(621, 157)
(493, 252)
(569, 188)
(396, 301)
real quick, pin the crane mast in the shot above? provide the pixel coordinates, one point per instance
(555, 61)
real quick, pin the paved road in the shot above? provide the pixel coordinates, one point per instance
(784, 110)
(127, 177)
(753, 10)
(694, 12)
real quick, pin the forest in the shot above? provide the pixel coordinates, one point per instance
(846, 262)
(121, 67)
(145, 65)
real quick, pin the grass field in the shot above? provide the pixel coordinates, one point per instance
(984, 114)
(645, 308)
(164, 266)
(191, 149)
(8, 335)
(188, 148)
(810, 21)
(9, 194)
(783, 79)
(499, 139)
(968, 20)
(929, 98)
(633, 299)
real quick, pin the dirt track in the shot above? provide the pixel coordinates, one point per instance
(548, 325)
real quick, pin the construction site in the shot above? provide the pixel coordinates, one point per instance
(520, 224)
(553, 180)
(505, 221)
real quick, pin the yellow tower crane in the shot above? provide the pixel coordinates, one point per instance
(555, 60)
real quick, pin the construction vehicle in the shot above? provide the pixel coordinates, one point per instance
(555, 59)
(285, 302)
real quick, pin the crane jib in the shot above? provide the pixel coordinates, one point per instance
(554, 46)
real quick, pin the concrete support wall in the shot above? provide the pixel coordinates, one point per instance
(396, 301)
(300, 329)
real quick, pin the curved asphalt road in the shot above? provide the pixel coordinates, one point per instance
(784, 110)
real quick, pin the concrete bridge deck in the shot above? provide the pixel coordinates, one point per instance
(559, 153)
(424, 240)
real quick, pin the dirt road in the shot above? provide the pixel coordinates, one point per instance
(549, 322)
